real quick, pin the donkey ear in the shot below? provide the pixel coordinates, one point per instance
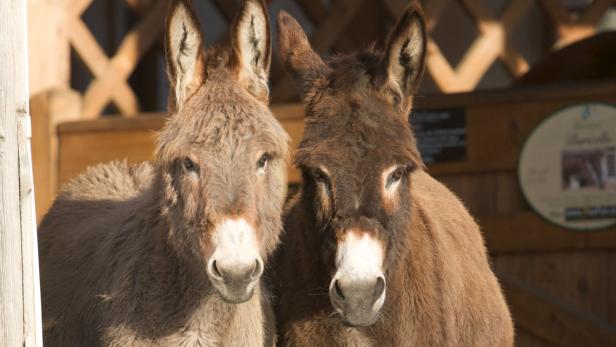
(252, 47)
(296, 54)
(184, 53)
(405, 53)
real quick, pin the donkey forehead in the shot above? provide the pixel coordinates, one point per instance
(358, 143)
(226, 124)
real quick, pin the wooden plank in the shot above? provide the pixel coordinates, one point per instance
(519, 266)
(577, 278)
(478, 192)
(48, 109)
(574, 92)
(80, 150)
(545, 317)
(48, 46)
(20, 319)
(33, 326)
(145, 121)
(11, 294)
(509, 198)
(527, 232)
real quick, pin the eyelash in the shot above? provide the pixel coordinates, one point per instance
(397, 175)
(190, 165)
(320, 177)
(263, 161)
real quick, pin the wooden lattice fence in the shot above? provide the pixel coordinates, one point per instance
(335, 26)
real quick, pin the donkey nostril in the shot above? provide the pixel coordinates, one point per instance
(338, 290)
(258, 269)
(215, 269)
(379, 288)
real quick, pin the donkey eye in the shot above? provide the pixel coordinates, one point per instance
(396, 176)
(190, 165)
(320, 176)
(262, 162)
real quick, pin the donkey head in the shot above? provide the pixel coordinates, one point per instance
(356, 156)
(221, 157)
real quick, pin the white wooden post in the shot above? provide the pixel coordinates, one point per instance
(20, 314)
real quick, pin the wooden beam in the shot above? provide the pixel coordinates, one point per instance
(48, 46)
(49, 109)
(552, 321)
(20, 314)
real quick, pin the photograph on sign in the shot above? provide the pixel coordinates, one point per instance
(567, 167)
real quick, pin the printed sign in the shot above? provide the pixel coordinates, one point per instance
(567, 167)
(441, 134)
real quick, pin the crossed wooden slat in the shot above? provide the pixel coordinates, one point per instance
(111, 74)
(330, 23)
(491, 44)
(329, 30)
(570, 30)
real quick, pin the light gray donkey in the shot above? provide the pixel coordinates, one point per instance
(171, 253)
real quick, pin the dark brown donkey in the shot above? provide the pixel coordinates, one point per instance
(376, 252)
(171, 253)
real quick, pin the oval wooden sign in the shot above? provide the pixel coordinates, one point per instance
(567, 168)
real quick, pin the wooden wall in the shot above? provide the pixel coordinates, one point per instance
(559, 283)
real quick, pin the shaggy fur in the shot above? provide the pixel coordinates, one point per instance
(124, 248)
(440, 290)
